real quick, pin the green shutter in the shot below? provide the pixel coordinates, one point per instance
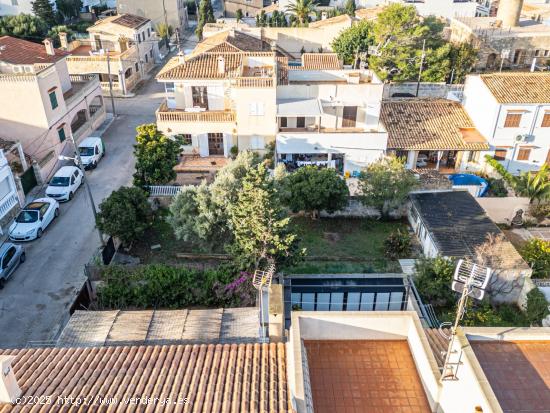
(61, 133)
(53, 99)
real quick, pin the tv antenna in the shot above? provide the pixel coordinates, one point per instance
(262, 281)
(470, 280)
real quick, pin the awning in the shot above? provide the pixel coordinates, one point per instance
(298, 107)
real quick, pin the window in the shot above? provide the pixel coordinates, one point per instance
(185, 138)
(256, 109)
(523, 154)
(500, 154)
(7, 258)
(284, 123)
(151, 53)
(61, 133)
(53, 98)
(257, 142)
(200, 96)
(301, 122)
(512, 120)
(146, 59)
(545, 120)
(473, 156)
(148, 32)
(137, 68)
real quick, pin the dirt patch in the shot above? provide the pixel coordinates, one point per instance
(332, 237)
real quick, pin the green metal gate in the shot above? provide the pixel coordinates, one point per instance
(28, 180)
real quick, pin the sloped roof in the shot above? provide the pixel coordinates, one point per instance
(430, 124)
(519, 87)
(458, 225)
(343, 18)
(22, 52)
(130, 20)
(370, 13)
(231, 41)
(320, 61)
(199, 378)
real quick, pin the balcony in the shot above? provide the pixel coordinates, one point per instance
(81, 86)
(165, 114)
(254, 82)
(322, 129)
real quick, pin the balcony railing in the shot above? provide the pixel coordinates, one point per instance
(252, 82)
(164, 114)
(81, 86)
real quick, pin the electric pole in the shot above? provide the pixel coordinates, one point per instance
(111, 83)
(88, 190)
(421, 66)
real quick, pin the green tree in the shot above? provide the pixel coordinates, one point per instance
(463, 58)
(302, 9)
(44, 10)
(24, 26)
(156, 155)
(349, 7)
(164, 31)
(68, 8)
(433, 281)
(53, 34)
(400, 35)
(312, 189)
(353, 41)
(537, 254)
(534, 185)
(206, 15)
(261, 229)
(201, 214)
(385, 185)
(125, 214)
(537, 307)
(239, 15)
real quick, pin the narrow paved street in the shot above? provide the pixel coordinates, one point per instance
(35, 301)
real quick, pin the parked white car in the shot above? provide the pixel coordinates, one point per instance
(91, 151)
(64, 183)
(33, 219)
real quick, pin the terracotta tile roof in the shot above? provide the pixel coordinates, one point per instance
(238, 378)
(343, 18)
(364, 375)
(22, 52)
(321, 61)
(518, 372)
(231, 41)
(430, 124)
(205, 66)
(519, 87)
(370, 13)
(130, 20)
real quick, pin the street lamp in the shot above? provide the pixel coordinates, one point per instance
(78, 161)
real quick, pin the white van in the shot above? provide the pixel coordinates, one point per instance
(91, 151)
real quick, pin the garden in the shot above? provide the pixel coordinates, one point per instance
(215, 234)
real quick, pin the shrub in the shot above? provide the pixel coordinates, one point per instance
(540, 210)
(537, 253)
(507, 176)
(234, 151)
(163, 286)
(537, 307)
(398, 244)
(497, 188)
(433, 281)
(484, 314)
(125, 214)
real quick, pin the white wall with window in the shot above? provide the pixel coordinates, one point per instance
(9, 197)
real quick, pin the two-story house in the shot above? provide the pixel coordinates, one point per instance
(237, 90)
(123, 46)
(512, 110)
(41, 105)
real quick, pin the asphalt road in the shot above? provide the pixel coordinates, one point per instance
(35, 302)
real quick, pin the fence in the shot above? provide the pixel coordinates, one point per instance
(164, 190)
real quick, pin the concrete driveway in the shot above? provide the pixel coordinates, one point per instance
(35, 302)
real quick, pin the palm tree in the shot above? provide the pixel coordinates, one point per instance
(534, 185)
(302, 9)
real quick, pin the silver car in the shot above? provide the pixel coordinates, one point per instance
(11, 255)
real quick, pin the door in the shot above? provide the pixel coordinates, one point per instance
(215, 143)
(349, 116)
(45, 215)
(200, 96)
(8, 262)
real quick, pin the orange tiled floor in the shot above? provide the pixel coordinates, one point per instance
(359, 376)
(519, 373)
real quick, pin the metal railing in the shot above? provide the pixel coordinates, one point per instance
(167, 115)
(8, 203)
(164, 190)
(426, 310)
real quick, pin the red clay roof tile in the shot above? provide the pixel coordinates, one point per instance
(22, 52)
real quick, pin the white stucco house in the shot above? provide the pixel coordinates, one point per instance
(512, 111)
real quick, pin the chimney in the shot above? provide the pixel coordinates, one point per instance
(324, 15)
(181, 57)
(509, 12)
(9, 389)
(63, 40)
(276, 313)
(221, 65)
(49, 46)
